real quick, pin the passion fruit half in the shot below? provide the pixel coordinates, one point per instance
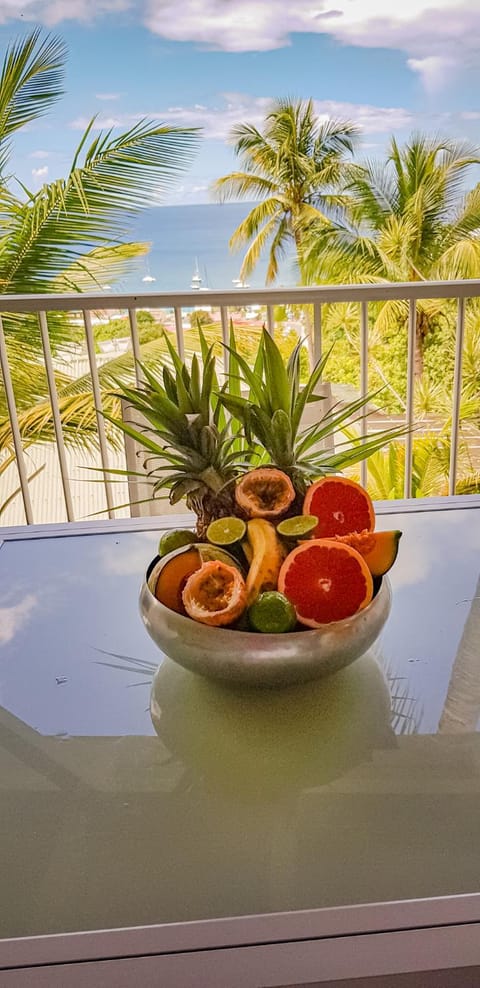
(265, 493)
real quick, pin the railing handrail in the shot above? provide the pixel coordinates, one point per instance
(378, 292)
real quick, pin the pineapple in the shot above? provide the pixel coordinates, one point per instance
(271, 417)
(194, 451)
(203, 437)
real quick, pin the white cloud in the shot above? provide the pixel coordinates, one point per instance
(40, 172)
(130, 561)
(425, 29)
(107, 96)
(234, 108)
(105, 123)
(50, 12)
(40, 154)
(435, 35)
(13, 618)
(433, 70)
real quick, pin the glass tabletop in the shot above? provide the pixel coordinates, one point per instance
(122, 806)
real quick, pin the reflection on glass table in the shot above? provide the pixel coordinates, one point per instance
(126, 803)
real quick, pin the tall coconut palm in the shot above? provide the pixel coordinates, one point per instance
(296, 166)
(410, 220)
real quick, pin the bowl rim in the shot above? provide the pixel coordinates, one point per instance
(385, 590)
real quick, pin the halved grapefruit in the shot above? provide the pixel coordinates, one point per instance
(325, 581)
(340, 505)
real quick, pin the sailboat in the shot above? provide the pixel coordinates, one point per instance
(148, 277)
(239, 283)
(196, 277)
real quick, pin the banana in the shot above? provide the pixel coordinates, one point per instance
(268, 554)
(247, 551)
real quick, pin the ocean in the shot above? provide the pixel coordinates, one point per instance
(184, 236)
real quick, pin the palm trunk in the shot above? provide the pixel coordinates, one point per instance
(308, 316)
(418, 358)
(421, 329)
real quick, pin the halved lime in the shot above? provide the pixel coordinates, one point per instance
(272, 613)
(298, 526)
(226, 531)
(174, 540)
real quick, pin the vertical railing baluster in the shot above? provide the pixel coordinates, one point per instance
(270, 320)
(412, 325)
(13, 417)
(457, 395)
(225, 336)
(132, 317)
(97, 397)
(364, 381)
(317, 332)
(57, 418)
(179, 333)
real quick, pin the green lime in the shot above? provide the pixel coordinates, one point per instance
(298, 526)
(272, 613)
(174, 540)
(226, 531)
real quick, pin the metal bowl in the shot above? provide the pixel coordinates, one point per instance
(259, 659)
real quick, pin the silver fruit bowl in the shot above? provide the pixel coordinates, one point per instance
(261, 659)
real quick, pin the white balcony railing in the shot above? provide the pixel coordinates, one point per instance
(85, 305)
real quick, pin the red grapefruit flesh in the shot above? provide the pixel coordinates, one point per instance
(325, 581)
(340, 505)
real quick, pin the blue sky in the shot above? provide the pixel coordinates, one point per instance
(212, 63)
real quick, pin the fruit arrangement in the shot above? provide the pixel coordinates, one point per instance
(263, 569)
(275, 547)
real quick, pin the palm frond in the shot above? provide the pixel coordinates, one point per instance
(31, 81)
(262, 238)
(108, 183)
(96, 267)
(253, 222)
(242, 185)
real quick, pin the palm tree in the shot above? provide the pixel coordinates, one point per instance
(409, 220)
(430, 469)
(72, 234)
(296, 166)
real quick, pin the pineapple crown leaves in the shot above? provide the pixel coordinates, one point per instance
(276, 400)
(272, 413)
(198, 437)
(185, 427)
(179, 404)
